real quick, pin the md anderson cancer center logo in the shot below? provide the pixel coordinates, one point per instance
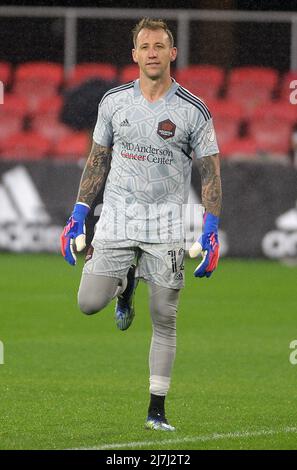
(146, 153)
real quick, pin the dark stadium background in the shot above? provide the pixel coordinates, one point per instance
(205, 39)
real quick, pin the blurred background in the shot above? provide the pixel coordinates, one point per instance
(58, 58)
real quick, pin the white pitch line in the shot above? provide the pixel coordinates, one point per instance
(210, 437)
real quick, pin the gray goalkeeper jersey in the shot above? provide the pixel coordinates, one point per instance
(152, 149)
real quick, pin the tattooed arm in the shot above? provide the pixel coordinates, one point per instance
(91, 182)
(94, 173)
(211, 191)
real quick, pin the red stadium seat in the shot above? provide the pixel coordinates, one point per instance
(251, 86)
(38, 80)
(48, 72)
(50, 127)
(226, 131)
(271, 136)
(5, 73)
(24, 146)
(285, 88)
(35, 98)
(226, 109)
(50, 107)
(9, 124)
(227, 117)
(129, 73)
(82, 72)
(202, 80)
(239, 148)
(12, 113)
(14, 105)
(45, 119)
(73, 147)
(276, 111)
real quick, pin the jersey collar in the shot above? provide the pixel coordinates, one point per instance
(167, 96)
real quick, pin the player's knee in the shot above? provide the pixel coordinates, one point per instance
(164, 314)
(87, 308)
(95, 292)
(89, 305)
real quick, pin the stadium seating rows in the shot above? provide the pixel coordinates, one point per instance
(250, 107)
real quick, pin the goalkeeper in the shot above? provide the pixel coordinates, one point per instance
(150, 130)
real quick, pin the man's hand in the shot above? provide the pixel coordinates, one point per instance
(74, 232)
(208, 245)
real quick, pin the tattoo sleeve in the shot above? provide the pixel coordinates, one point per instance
(94, 174)
(211, 190)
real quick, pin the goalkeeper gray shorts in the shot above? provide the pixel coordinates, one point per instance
(159, 263)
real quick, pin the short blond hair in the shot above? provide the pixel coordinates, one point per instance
(152, 24)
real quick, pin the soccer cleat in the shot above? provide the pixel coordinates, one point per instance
(158, 423)
(124, 311)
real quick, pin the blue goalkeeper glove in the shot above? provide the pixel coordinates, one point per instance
(74, 232)
(208, 245)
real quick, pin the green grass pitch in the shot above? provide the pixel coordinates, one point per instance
(72, 381)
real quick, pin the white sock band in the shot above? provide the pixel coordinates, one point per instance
(159, 385)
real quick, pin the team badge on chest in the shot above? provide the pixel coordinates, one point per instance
(166, 129)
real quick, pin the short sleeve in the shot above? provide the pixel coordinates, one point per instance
(103, 132)
(203, 139)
